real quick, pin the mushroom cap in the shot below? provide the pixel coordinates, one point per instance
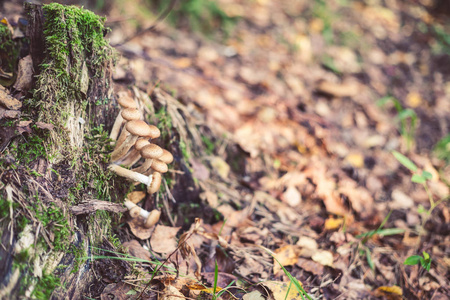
(155, 133)
(135, 212)
(166, 157)
(141, 143)
(159, 166)
(130, 114)
(151, 151)
(153, 187)
(126, 101)
(153, 218)
(138, 128)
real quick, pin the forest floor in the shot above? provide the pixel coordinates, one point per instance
(284, 117)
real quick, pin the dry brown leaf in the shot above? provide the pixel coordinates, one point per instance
(46, 126)
(347, 89)
(220, 166)
(171, 293)
(286, 256)
(163, 239)
(310, 266)
(135, 249)
(7, 101)
(323, 257)
(137, 227)
(292, 197)
(282, 290)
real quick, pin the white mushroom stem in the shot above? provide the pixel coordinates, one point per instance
(142, 212)
(151, 218)
(147, 180)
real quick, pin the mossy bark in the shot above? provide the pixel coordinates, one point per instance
(73, 65)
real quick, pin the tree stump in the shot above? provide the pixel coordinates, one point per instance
(58, 160)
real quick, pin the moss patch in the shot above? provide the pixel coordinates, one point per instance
(75, 51)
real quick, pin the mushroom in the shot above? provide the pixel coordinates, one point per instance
(155, 184)
(149, 152)
(167, 157)
(124, 102)
(151, 218)
(134, 155)
(134, 130)
(128, 114)
(134, 176)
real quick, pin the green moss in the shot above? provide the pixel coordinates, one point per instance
(53, 220)
(45, 286)
(9, 53)
(75, 51)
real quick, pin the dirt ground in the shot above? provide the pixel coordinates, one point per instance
(283, 118)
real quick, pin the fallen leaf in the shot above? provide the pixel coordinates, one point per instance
(282, 290)
(400, 200)
(292, 196)
(7, 101)
(163, 239)
(171, 293)
(355, 159)
(323, 257)
(220, 166)
(135, 249)
(347, 89)
(255, 295)
(390, 292)
(332, 223)
(414, 99)
(43, 125)
(310, 266)
(136, 196)
(286, 256)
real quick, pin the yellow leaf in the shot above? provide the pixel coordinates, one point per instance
(201, 288)
(286, 256)
(280, 290)
(413, 99)
(390, 292)
(355, 159)
(332, 223)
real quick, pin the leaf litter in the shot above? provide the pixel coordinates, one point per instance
(279, 143)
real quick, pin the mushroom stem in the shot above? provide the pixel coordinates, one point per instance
(147, 180)
(131, 206)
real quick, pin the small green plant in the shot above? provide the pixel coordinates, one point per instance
(424, 261)
(365, 250)
(422, 178)
(442, 149)
(292, 279)
(406, 117)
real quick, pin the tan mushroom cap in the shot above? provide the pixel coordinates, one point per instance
(153, 187)
(155, 133)
(159, 166)
(130, 114)
(152, 219)
(166, 157)
(135, 212)
(126, 101)
(141, 143)
(151, 151)
(138, 128)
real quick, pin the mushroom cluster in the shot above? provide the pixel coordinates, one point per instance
(133, 145)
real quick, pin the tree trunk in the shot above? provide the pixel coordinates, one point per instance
(58, 161)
